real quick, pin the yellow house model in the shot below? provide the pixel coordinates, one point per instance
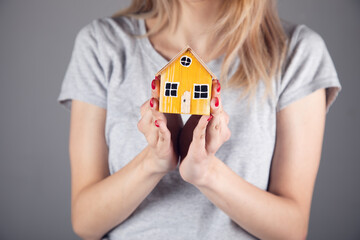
(185, 85)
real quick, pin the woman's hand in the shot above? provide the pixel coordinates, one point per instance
(161, 133)
(208, 135)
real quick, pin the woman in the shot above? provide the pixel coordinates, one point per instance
(276, 83)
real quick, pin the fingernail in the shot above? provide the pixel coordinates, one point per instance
(157, 77)
(156, 123)
(219, 86)
(153, 85)
(216, 101)
(151, 102)
(211, 116)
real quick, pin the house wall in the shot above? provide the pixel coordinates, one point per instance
(186, 77)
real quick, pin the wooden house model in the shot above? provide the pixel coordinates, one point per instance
(185, 85)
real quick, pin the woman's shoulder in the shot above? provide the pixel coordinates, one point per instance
(302, 36)
(111, 30)
(307, 66)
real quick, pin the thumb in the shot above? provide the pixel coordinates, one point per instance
(216, 106)
(200, 131)
(164, 133)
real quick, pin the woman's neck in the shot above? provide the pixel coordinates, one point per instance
(195, 20)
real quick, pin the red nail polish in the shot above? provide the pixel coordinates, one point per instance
(216, 101)
(211, 116)
(219, 86)
(151, 102)
(153, 85)
(157, 77)
(156, 123)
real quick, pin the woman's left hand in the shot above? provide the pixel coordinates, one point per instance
(208, 135)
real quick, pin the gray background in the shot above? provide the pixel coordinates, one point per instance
(36, 40)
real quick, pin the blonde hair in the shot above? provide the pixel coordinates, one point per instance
(249, 29)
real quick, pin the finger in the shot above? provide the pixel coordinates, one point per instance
(215, 106)
(216, 87)
(214, 124)
(217, 129)
(213, 130)
(145, 121)
(225, 117)
(154, 106)
(152, 134)
(224, 131)
(164, 133)
(155, 87)
(151, 104)
(144, 108)
(226, 134)
(200, 131)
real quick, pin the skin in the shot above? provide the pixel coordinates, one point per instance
(101, 201)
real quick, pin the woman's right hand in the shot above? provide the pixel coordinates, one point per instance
(161, 131)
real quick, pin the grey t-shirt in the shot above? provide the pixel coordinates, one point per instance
(113, 70)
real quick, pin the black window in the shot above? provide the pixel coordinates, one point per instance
(185, 61)
(171, 89)
(201, 91)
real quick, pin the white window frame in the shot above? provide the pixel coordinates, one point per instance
(208, 87)
(171, 83)
(187, 57)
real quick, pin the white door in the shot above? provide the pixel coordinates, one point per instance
(185, 102)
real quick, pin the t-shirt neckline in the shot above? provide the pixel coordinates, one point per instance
(155, 55)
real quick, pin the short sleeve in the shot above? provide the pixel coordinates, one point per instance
(84, 79)
(307, 68)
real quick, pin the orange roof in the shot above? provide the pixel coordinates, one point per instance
(196, 56)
